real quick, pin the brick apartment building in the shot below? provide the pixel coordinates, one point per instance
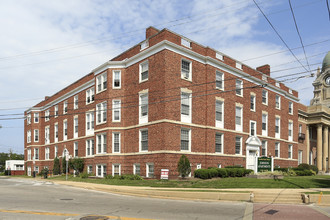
(162, 98)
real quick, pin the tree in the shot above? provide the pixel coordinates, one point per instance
(77, 164)
(56, 167)
(184, 166)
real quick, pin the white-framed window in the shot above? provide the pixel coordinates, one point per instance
(219, 56)
(36, 169)
(253, 128)
(28, 119)
(290, 91)
(136, 169)
(36, 117)
(264, 97)
(47, 115)
(238, 145)
(75, 149)
(300, 155)
(143, 109)
(290, 151)
(116, 110)
(300, 128)
(144, 139)
(185, 139)
(290, 132)
(115, 142)
(277, 84)
(47, 139)
(65, 107)
(89, 169)
(238, 118)
(185, 42)
(75, 126)
(101, 142)
(150, 170)
(253, 102)
(264, 124)
(101, 112)
(239, 87)
(144, 45)
(264, 78)
(116, 79)
(219, 113)
(238, 65)
(28, 136)
(89, 123)
(101, 82)
(89, 147)
(219, 80)
(277, 127)
(218, 143)
(29, 154)
(277, 149)
(47, 153)
(55, 151)
(116, 169)
(29, 171)
(186, 69)
(75, 102)
(56, 111)
(264, 148)
(101, 170)
(36, 135)
(65, 130)
(278, 102)
(144, 71)
(56, 132)
(198, 166)
(36, 153)
(290, 108)
(90, 95)
(186, 107)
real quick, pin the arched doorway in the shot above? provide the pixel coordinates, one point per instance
(253, 144)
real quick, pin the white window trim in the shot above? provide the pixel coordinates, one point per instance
(240, 87)
(47, 151)
(219, 124)
(144, 45)
(222, 135)
(222, 80)
(264, 132)
(279, 150)
(113, 79)
(34, 154)
(145, 118)
(28, 136)
(56, 111)
(114, 108)
(113, 142)
(291, 113)
(185, 42)
(264, 103)
(29, 171)
(89, 143)
(102, 170)
(90, 116)
(279, 101)
(113, 168)
(254, 102)
(100, 80)
(36, 115)
(28, 119)
(75, 102)
(65, 105)
(255, 128)
(186, 118)
(29, 154)
(47, 115)
(189, 78)
(278, 135)
(47, 135)
(100, 107)
(239, 127)
(75, 132)
(34, 135)
(102, 143)
(75, 146)
(65, 137)
(239, 65)
(55, 138)
(290, 149)
(219, 56)
(147, 170)
(240, 151)
(290, 136)
(266, 148)
(90, 93)
(189, 144)
(134, 168)
(140, 71)
(140, 140)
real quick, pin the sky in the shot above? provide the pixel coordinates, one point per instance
(47, 45)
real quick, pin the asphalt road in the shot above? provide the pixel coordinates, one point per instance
(29, 199)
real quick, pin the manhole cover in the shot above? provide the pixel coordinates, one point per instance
(66, 199)
(94, 217)
(271, 212)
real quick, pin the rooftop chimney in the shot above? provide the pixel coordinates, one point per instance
(150, 31)
(264, 69)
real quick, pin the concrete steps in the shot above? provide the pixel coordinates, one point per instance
(292, 198)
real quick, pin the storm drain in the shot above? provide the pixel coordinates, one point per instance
(94, 217)
(66, 199)
(271, 212)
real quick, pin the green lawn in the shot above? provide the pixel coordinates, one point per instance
(225, 183)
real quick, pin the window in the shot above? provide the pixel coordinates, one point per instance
(238, 145)
(238, 65)
(115, 142)
(300, 154)
(253, 128)
(219, 80)
(47, 153)
(218, 142)
(89, 123)
(36, 153)
(277, 149)
(47, 115)
(75, 126)
(265, 97)
(116, 108)
(278, 102)
(116, 79)
(253, 102)
(36, 117)
(300, 128)
(185, 139)
(75, 150)
(150, 170)
(186, 69)
(89, 147)
(143, 140)
(29, 154)
(185, 107)
(89, 169)
(219, 113)
(65, 107)
(101, 82)
(290, 130)
(101, 143)
(101, 112)
(116, 169)
(198, 166)
(264, 78)
(238, 118)
(36, 135)
(290, 91)
(290, 108)
(219, 56)
(277, 84)
(55, 151)
(28, 136)
(264, 124)
(290, 151)
(56, 132)
(101, 170)
(136, 169)
(277, 127)
(90, 95)
(185, 42)
(28, 119)
(76, 101)
(36, 169)
(47, 140)
(144, 71)
(56, 111)
(239, 87)
(143, 108)
(65, 130)
(264, 148)
(144, 44)
(29, 171)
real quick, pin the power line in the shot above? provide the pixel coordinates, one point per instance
(327, 1)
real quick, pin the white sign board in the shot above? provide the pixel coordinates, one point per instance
(164, 174)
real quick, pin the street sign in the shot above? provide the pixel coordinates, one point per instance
(264, 164)
(164, 174)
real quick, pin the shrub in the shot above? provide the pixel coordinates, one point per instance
(248, 171)
(184, 166)
(222, 172)
(314, 168)
(202, 174)
(77, 164)
(284, 170)
(234, 166)
(304, 172)
(108, 177)
(304, 166)
(213, 172)
(56, 166)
